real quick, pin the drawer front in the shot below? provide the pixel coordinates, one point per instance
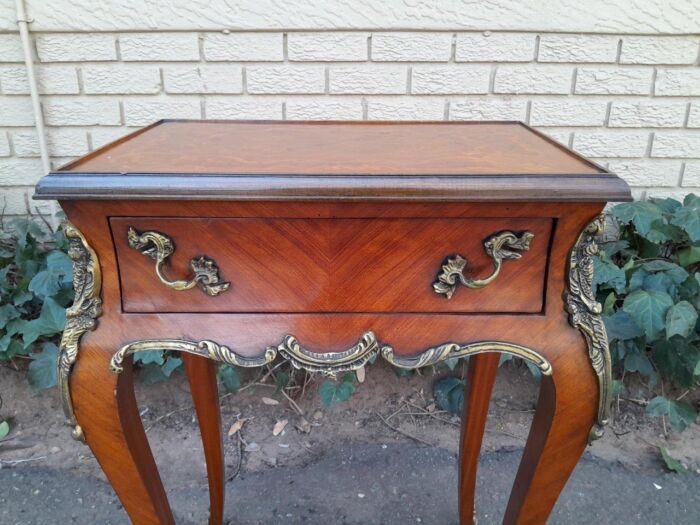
(331, 265)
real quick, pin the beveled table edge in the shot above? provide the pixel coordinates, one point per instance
(604, 187)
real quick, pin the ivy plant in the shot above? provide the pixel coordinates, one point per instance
(648, 280)
(35, 288)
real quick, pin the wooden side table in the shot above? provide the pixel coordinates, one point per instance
(326, 244)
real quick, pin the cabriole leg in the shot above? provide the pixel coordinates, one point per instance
(106, 410)
(566, 409)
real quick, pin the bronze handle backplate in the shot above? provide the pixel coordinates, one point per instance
(159, 247)
(498, 247)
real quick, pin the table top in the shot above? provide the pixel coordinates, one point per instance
(281, 160)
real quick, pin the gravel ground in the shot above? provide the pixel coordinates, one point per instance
(364, 484)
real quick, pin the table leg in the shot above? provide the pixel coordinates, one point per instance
(565, 412)
(105, 408)
(201, 374)
(481, 376)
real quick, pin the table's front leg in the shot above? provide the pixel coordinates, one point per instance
(574, 400)
(566, 406)
(105, 407)
(99, 404)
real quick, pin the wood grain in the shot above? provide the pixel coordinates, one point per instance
(336, 148)
(368, 161)
(300, 265)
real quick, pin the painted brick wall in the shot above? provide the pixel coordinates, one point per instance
(631, 102)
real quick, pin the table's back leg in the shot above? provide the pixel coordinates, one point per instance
(106, 410)
(481, 376)
(565, 412)
(201, 373)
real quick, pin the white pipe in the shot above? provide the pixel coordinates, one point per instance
(23, 24)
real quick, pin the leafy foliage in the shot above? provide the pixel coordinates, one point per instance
(35, 288)
(672, 464)
(449, 394)
(4, 429)
(229, 378)
(648, 281)
(333, 392)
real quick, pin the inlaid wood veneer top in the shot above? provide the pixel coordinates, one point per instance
(334, 160)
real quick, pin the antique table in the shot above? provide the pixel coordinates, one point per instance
(327, 243)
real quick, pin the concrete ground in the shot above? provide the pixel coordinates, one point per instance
(364, 484)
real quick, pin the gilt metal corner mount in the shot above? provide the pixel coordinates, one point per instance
(81, 316)
(584, 314)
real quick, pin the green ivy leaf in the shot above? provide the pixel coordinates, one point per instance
(614, 247)
(676, 360)
(4, 429)
(636, 362)
(691, 200)
(688, 218)
(606, 273)
(659, 282)
(150, 374)
(641, 214)
(172, 364)
(637, 279)
(666, 204)
(7, 313)
(149, 357)
(59, 263)
(51, 321)
(9, 348)
(618, 387)
(680, 319)
(620, 326)
(26, 231)
(58, 273)
(688, 256)
(661, 232)
(45, 284)
(648, 309)
(333, 392)
(680, 414)
(449, 394)
(43, 368)
(609, 303)
(21, 298)
(672, 464)
(228, 375)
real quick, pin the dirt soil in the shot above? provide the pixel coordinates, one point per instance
(385, 413)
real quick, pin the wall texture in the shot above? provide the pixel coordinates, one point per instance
(624, 89)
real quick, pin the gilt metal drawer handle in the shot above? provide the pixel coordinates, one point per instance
(499, 247)
(159, 247)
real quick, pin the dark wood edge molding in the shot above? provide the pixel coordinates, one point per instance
(473, 188)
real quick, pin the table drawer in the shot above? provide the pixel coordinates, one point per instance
(331, 265)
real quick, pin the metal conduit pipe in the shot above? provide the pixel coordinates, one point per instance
(23, 25)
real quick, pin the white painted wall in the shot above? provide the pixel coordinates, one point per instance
(618, 81)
